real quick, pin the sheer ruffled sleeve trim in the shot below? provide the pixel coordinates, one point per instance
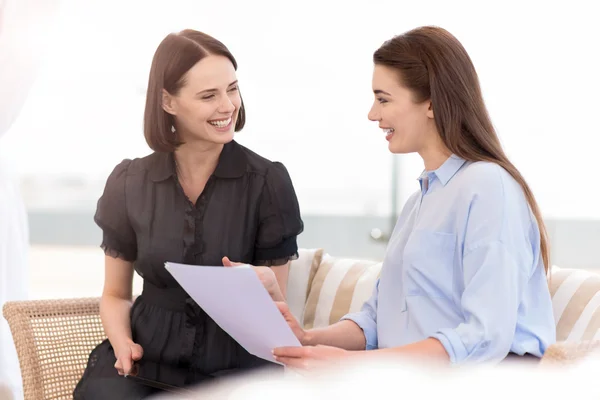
(113, 248)
(277, 262)
(281, 254)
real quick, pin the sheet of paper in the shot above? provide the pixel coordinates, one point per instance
(237, 301)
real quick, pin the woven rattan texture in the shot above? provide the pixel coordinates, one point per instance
(53, 339)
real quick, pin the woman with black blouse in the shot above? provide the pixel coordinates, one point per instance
(200, 198)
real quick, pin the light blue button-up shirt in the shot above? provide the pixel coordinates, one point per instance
(463, 266)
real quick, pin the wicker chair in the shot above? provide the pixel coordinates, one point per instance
(53, 339)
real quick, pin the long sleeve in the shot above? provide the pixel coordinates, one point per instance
(366, 319)
(501, 252)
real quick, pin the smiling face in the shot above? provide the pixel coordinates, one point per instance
(206, 107)
(409, 126)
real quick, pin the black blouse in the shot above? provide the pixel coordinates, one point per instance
(248, 211)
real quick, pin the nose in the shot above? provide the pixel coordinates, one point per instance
(226, 106)
(374, 113)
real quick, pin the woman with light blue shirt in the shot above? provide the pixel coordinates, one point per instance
(464, 278)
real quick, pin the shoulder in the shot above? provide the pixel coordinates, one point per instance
(489, 179)
(257, 163)
(273, 171)
(141, 167)
(490, 187)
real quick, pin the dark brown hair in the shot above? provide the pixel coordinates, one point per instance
(176, 55)
(434, 65)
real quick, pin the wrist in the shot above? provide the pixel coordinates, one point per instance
(308, 338)
(122, 342)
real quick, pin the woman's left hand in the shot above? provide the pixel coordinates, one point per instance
(309, 357)
(265, 274)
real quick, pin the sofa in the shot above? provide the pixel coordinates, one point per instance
(54, 337)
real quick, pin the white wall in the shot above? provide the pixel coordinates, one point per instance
(305, 71)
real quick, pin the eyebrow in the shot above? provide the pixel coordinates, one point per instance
(214, 90)
(377, 91)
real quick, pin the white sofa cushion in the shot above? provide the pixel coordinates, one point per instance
(302, 271)
(576, 303)
(340, 286)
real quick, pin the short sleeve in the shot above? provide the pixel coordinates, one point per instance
(118, 237)
(279, 219)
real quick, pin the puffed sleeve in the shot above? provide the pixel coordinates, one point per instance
(118, 237)
(279, 219)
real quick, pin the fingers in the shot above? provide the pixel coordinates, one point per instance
(291, 352)
(119, 367)
(298, 363)
(136, 352)
(126, 362)
(228, 263)
(283, 307)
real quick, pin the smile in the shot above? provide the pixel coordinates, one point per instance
(220, 123)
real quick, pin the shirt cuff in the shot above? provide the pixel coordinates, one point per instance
(453, 345)
(368, 326)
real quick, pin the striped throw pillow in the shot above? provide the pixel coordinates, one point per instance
(576, 303)
(302, 272)
(339, 286)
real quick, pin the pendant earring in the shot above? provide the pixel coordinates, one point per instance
(172, 129)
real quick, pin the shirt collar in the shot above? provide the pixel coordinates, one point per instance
(447, 170)
(232, 164)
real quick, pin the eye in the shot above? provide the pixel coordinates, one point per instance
(209, 97)
(381, 101)
(233, 89)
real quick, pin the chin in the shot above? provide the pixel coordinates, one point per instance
(223, 138)
(399, 146)
(397, 149)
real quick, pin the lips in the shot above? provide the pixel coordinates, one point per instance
(389, 132)
(220, 123)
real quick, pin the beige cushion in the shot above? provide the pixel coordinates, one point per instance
(576, 303)
(340, 286)
(301, 274)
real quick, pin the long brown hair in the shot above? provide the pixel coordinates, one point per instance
(434, 65)
(176, 55)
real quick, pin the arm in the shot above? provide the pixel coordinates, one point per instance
(357, 331)
(494, 280)
(495, 276)
(115, 303)
(280, 224)
(120, 246)
(344, 334)
(115, 306)
(281, 275)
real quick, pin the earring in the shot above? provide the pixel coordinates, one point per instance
(172, 129)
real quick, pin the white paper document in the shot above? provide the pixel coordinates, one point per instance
(237, 301)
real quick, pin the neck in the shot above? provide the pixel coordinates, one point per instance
(197, 160)
(434, 156)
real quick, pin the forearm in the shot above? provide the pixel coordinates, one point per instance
(281, 275)
(428, 349)
(344, 334)
(115, 315)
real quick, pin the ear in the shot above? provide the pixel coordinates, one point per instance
(168, 103)
(429, 109)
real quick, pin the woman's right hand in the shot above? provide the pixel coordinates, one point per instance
(126, 354)
(291, 321)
